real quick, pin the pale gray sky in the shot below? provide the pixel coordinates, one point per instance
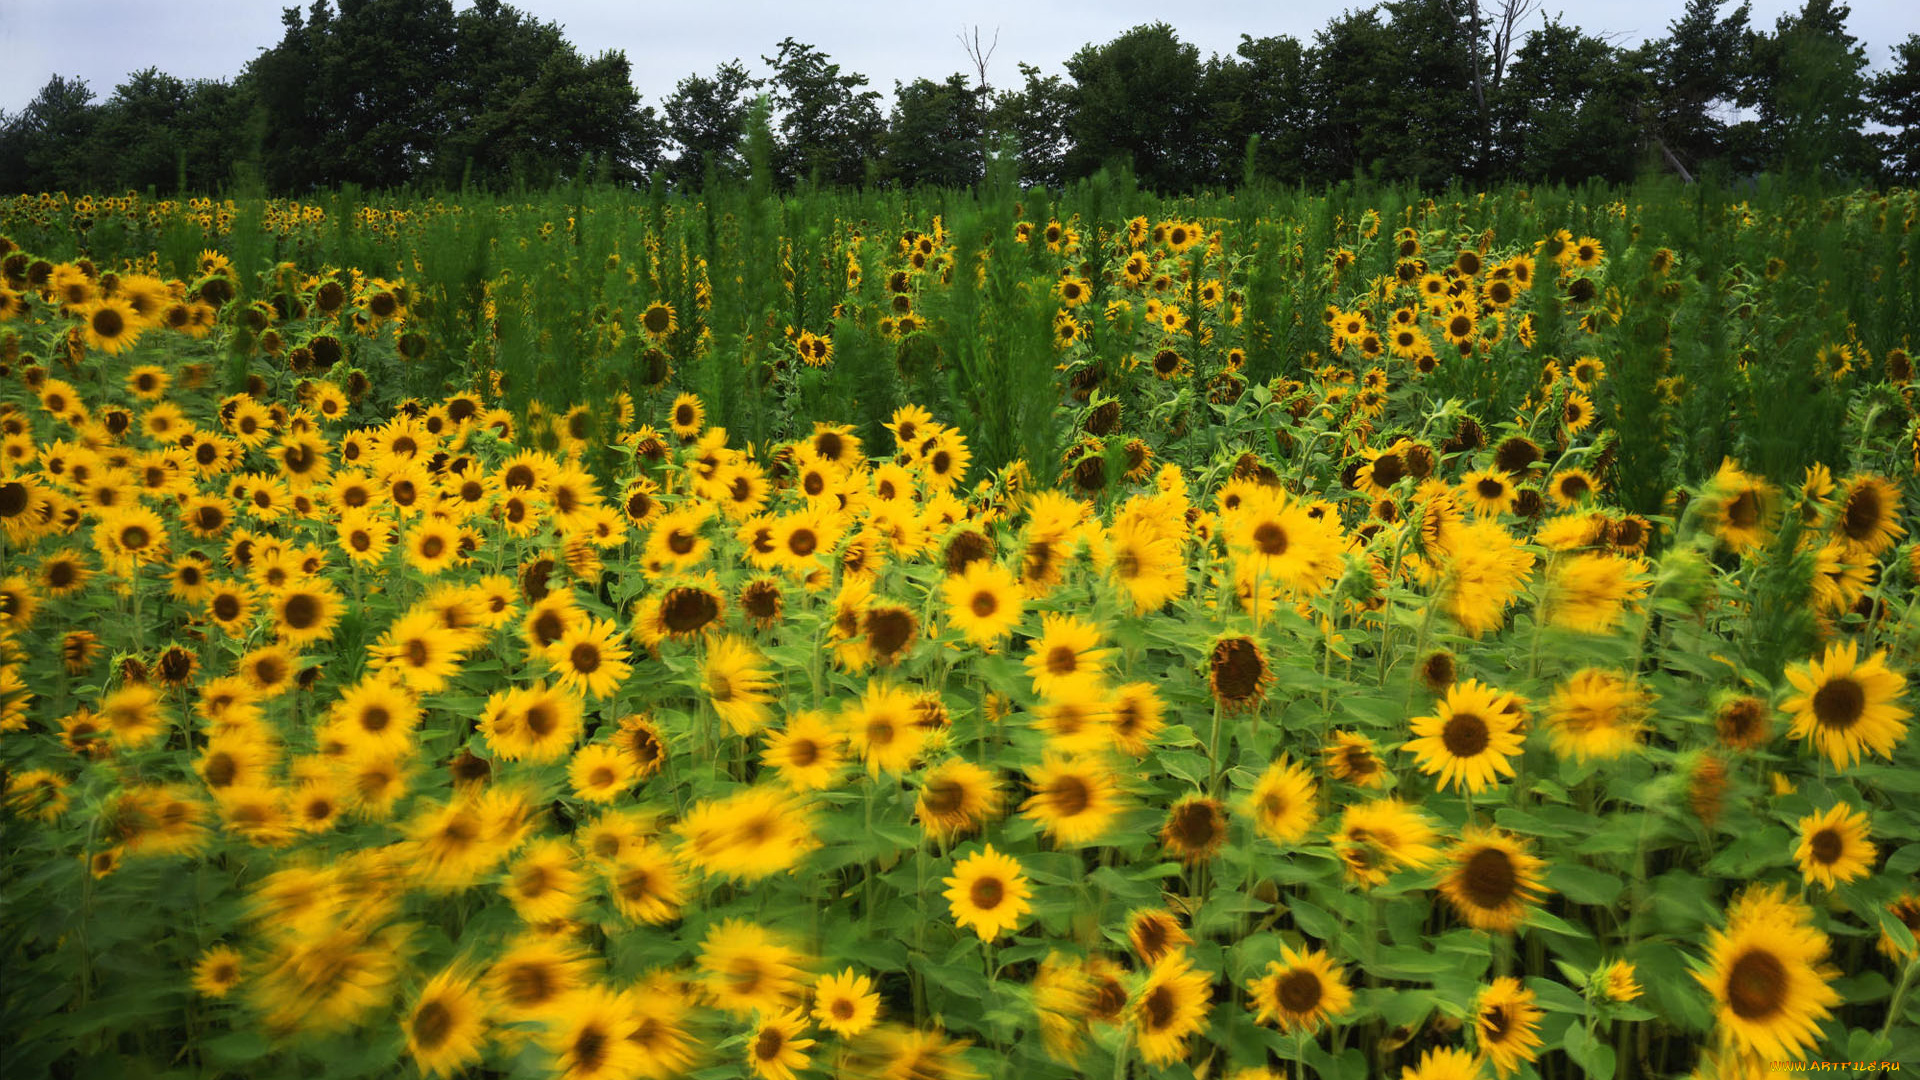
(102, 41)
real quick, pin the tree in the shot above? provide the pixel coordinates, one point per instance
(706, 119)
(1808, 86)
(1355, 125)
(1565, 109)
(498, 52)
(1694, 73)
(575, 109)
(934, 134)
(1138, 98)
(1263, 90)
(1896, 105)
(46, 146)
(1034, 119)
(1437, 90)
(346, 96)
(830, 125)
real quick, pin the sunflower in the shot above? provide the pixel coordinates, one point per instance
(421, 651)
(806, 753)
(1299, 992)
(599, 772)
(111, 325)
(882, 728)
(376, 716)
(217, 971)
(646, 883)
(587, 658)
(1572, 487)
(1834, 847)
(1238, 673)
(956, 798)
(1470, 737)
(1488, 492)
(1376, 838)
(1077, 719)
(588, 1034)
(1506, 1024)
(1066, 654)
(433, 545)
(1493, 880)
(1172, 1006)
(1868, 516)
(1283, 803)
(1596, 714)
(306, 612)
(1591, 593)
(1766, 972)
(1153, 932)
(534, 723)
(1074, 801)
(687, 417)
(133, 715)
(748, 970)
(1278, 538)
(762, 830)
(845, 1004)
(1845, 707)
(1615, 982)
(658, 320)
(131, 536)
(1137, 715)
(1195, 829)
(446, 1028)
(774, 1052)
(984, 602)
(1352, 757)
(988, 893)
(737, 683)
(1740, 509)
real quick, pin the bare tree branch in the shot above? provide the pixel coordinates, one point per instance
(1511, 13)
(979, 56)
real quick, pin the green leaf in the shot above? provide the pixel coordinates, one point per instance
(237, 1047)
(1312, 920)
(1583, 884)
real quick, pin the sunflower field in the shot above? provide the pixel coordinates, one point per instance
(948, 636)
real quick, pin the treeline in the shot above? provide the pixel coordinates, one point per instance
(394, 93)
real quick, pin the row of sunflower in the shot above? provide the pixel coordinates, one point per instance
(336, 744)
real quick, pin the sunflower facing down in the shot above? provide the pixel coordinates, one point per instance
(1845, 707)
(1493, 880)
(1299, 992)
(1470, 737)
(988, 893)
(1834, 846)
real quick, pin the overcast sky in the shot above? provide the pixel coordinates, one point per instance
(102, 41)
